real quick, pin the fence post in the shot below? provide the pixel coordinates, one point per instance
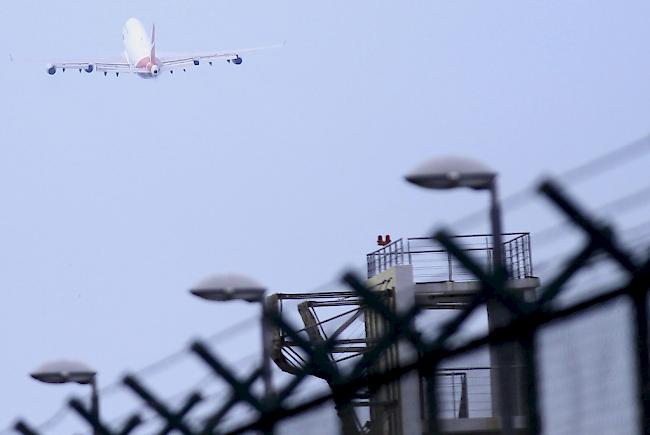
(432, 402)
(529, 345)
(463, 407)
(639, 298)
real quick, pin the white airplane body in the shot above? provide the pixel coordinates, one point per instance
(140, 56)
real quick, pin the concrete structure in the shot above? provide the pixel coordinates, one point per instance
(395, 408)
(438, 282)
(416, 272)
(409, 419)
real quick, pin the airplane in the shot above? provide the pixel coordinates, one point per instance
(140, 56)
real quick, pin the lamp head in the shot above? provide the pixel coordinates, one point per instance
(450, 172)
(226, 287)
(64, 371)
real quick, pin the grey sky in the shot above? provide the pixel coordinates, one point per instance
(119, 193)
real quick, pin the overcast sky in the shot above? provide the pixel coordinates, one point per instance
(119, 193)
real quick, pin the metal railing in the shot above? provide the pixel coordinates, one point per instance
(462, 392)
(432, 263)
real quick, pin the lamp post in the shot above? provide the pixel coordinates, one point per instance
(230, 287)
(452, 172)
(65, 371)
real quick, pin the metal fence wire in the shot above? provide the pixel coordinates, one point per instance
(463, 394)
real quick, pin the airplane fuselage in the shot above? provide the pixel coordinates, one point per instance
(139, 50)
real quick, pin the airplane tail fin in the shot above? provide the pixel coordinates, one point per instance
(153, 43)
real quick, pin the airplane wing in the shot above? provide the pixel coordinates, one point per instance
(106, 66)
(180, 60)
(167, 62)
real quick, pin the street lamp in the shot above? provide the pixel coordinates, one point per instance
(235, 287)
(451, 172)
(64, 371)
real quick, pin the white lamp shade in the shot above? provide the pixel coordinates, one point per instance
(62, 371)
(230, 286)
(452, 171)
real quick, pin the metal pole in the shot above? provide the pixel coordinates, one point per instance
(532, 392)
(512, 392)
(266, 359)
(94, 401)
(495, 222)
(503, 352)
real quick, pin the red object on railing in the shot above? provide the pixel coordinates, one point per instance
(383, 242)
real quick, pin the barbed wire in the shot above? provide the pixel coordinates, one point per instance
(162, 364)
(640, 234)
(174, 398)
(620, 205)
(148, 370)
(573, 176)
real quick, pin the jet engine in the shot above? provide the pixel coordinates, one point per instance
(237, 61)
(154, 70)
(90, 68)
(51, 69)
(196, 62)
